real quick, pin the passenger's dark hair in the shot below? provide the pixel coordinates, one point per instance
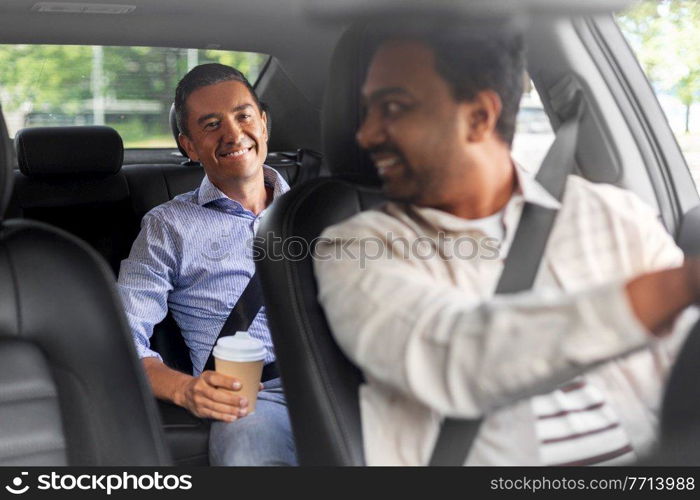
(202, 76)
(472, 59)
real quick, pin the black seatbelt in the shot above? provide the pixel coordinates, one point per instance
(242, 314)
(519, 270)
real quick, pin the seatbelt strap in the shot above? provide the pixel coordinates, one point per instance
(520, 268)
(242, 315)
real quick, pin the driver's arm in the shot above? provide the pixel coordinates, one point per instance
(463, 357)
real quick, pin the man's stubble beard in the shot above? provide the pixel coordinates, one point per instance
(414, 189)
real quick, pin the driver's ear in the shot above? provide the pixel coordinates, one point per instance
(188, 146)
(484, 111)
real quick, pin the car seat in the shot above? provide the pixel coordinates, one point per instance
(321, 384)
(72, 391)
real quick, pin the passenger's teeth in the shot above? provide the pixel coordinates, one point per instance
(237, 153)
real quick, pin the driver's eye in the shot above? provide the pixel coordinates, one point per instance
(392, 108)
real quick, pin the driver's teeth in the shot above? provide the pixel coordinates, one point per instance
(387, 162)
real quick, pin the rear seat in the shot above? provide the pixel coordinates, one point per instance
(72, 178)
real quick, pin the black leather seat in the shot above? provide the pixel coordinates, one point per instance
(72, 391)
(70, 177)
(320, 382)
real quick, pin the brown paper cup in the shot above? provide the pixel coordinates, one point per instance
(248, 373)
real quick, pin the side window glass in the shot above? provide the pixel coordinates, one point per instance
(533, 133)
(665, 36)
(127, 88)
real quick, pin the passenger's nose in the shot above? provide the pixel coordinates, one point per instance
(231, 130)
(371, 132)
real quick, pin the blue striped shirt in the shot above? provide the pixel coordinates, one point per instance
(194, 257)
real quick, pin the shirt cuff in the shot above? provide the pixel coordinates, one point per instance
(145, 352)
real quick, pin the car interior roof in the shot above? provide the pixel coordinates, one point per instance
(300, 34)
(294, 31)
(280, 29)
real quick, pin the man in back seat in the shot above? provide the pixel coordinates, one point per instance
(193, 257)
(570, 374)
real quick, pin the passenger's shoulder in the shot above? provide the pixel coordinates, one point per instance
(582, 193)
(171, 208)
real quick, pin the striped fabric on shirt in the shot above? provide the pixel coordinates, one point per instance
(575, 426)
(193, 257)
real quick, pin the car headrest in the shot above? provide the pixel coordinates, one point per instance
(342, 110)
(176, 130)
(93, 151)
(6, 164)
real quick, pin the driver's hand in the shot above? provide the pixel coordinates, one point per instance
(213, 395)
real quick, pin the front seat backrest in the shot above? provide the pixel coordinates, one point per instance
(71, 178)
(72, 391)
(321, 384)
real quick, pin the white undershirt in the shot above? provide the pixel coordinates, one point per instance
(574, 424)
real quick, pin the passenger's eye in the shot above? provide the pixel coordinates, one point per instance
(211, 125)
(245, 117)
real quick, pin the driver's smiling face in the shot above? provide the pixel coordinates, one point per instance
(411, 127)
(227, 132)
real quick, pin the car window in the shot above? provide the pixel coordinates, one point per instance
(665, 36)
(127, 88)
(533, 132)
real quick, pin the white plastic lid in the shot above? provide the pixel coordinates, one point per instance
(240, 347)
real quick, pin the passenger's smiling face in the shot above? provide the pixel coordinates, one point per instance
(414, 129)
(227, 132)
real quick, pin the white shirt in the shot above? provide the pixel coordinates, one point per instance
(432, 341)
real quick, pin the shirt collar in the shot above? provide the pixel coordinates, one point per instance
(532, 191)
(528, 190)
(208, 192)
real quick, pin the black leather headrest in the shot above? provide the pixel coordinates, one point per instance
(69, 151)
(342, 107)
(6, 164)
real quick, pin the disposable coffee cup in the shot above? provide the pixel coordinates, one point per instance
(242, 357)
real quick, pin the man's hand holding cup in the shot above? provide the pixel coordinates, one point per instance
(215, 395)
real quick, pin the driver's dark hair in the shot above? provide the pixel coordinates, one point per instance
(472, 63)
(202, 76)
(472, 59)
